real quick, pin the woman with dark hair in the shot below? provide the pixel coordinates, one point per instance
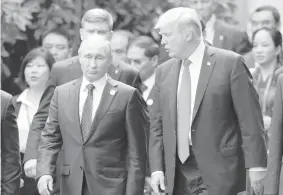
(34, 74)
(267, 47)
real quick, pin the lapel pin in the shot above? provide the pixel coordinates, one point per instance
(116, 71)
(221, 38)
(149, 102)
(208, 64)
(112, 92)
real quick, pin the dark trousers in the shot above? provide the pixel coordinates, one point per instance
(188, 179)
(85, 190)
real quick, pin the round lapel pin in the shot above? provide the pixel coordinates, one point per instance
(149, 102)
(112, 92)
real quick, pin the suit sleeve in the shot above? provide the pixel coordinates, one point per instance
(275, 144)
(50, 142)
(137, 123)
(10, 153)
(156, 154)
(246, 105)
(39, 119)
(242, 44)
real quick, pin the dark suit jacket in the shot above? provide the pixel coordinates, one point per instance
(229, 38)
(249, 59)
(226, 115)
(10, 152)
(61, 73)
(113, 157)
(275, 143)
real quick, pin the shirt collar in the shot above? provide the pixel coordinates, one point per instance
(149, 80)
(210, 24)
(23, 98)
(197, 56)
(99, 84)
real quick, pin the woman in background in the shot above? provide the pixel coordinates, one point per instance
(34, 74)
(267, 48)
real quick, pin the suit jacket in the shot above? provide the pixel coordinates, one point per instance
(61, 73)
(10, 152)
(229, 38)
(113, 157)
(275, 143)
(226, 115)
(249, 59)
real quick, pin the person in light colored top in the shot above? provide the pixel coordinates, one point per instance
(34, 74)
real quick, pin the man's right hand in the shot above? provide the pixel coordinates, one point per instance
(30, 168)
(45, 185)
(158, 182)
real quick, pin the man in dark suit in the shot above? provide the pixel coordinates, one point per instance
(206, 126)
(101, 123)
(10, 152)
(143, 55)
(266, 16)
(95, 21)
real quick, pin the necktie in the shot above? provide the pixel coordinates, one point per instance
(143, 87)
(86, 121)
(184, 113)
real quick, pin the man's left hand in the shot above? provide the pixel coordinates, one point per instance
(256, 178)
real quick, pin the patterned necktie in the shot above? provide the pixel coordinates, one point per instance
(184, 113)
(143, 87)
(86, 121)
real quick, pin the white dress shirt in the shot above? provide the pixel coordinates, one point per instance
(24, 119)
(149, 83)
(97, 93)
(196, 61)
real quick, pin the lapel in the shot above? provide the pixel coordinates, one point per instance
(115, 72)
(74, 95)
(204, 77)
(218, 39)
(107, 97)
(172, 85)
(150, 98)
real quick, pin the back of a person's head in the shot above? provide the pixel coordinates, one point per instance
(97, 15)
(271, 9)
(147, 43)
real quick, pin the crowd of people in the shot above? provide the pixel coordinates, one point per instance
(118, 120)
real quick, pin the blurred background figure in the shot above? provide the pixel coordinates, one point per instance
(34, 75)
(56, 41)
(143, 55)
(267, 47)
(120, 42)
(264, 16)
(10, 154)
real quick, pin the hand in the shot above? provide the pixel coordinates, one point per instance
(266, 122)
(45, 185)
(30, 168)
(256, 178)
(22, 183)
(158, 183)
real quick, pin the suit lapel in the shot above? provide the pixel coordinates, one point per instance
(74, 95)
(172, 85)
(204, 77)
(107, 97)
(218, 39)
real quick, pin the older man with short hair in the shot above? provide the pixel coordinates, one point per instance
(206, 126)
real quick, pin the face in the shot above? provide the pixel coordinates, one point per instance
(37, 72)
(263, 48)
(262, 19)
(173, 40)
(119, 46)
(94, 62)
(143, 64)
(57, 45)
(95, 28)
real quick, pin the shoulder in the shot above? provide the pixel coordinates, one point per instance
(64, 63)
(66, 86)
(124, 88)
(222, 53)
(6, 98)
(166, 66)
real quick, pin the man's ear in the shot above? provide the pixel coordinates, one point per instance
(81, 34)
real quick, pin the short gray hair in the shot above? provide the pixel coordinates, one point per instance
(95, 41)
(97, 15)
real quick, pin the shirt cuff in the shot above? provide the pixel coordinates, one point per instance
(156, 172)
(257, 169)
